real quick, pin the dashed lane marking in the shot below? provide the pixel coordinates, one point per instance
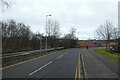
(40, 68)
(25, 61)
(60, 56)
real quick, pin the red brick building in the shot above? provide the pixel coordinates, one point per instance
(91, 43)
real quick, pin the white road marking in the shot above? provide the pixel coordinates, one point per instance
(40, 68)
(60, 56)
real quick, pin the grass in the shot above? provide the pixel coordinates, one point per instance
(108, 55)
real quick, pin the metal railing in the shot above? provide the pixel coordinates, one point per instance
(27, 52)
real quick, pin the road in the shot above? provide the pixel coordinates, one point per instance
(59, 64)
(62, 64)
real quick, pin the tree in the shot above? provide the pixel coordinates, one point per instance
(49, 27)
(72, 33)
(70, 40)
(15, 36)
(115, 33)
(105, 33)
(6, 4)
(56, 29)
(53, 32)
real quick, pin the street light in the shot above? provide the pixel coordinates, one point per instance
(46, 30)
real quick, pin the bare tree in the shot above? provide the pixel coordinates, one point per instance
(49, 27)
(105, 32)
(53, 32)
(6, 4)
(70, 40)
(56, 29)
(115, 33)
(15, 36)
(72, 33)
(52, 28)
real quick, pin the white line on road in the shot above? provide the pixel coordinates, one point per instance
(40, 68)
(60, 56)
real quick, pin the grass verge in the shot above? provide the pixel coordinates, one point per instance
(108, 55)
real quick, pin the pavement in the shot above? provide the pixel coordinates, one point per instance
(62, 64)
(97, 66)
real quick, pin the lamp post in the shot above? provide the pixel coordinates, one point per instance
(46, 30)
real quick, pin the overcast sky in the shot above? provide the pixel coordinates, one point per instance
(84, 15)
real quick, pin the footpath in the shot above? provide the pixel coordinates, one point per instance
(97, 66)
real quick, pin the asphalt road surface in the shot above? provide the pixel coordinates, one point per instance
(59, 64)
(62, 64)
